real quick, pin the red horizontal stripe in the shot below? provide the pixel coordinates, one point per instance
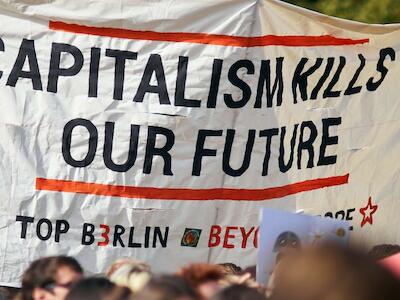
(209, 39)
(79, 187)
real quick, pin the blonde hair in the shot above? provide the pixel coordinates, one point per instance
(129, 273)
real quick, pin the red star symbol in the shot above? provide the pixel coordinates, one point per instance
(367, 212)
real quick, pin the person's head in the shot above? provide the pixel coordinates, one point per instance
(331, 272)
(97, 288)
(136, 266)
(8, 292)
(129, 273)
(382, 251)
(230, 269)
(167, 287)
(120, 293)
(238, 292)
(4, 295)
(50, 278)
(204, 278)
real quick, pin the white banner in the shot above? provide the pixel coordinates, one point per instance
(159, 129)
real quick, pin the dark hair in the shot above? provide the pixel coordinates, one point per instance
(119, 293)
(43, 271)
(230, 268)
(94, 288)
(8, 292)
(384, 250)
(238, 292)
(166, 287)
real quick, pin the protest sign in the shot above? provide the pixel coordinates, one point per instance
(283, 232)
(190, 115)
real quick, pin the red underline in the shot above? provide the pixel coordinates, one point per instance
(79, 187)
(208, 39)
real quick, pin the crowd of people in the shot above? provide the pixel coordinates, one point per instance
(324, 272)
